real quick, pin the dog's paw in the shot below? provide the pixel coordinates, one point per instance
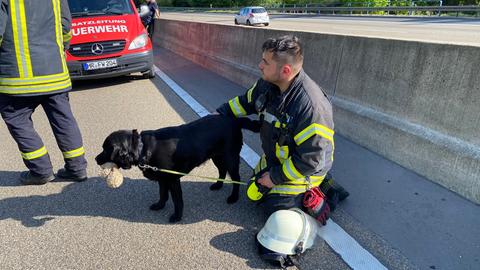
(174, 218)
(232, 199)
(157, 206)
(216, 186)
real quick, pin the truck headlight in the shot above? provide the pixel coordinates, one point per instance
(139, 42)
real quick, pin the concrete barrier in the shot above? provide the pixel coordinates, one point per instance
(415, 103)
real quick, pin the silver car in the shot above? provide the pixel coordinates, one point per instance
(252, 16)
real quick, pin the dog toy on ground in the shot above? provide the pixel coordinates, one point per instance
(112, 174)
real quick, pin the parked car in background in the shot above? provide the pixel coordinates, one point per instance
(252, 16)
(108, 40)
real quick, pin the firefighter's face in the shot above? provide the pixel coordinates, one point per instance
(269, 67)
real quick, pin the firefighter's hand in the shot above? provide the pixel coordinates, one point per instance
(265, 180)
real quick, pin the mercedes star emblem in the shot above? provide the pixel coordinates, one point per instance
(97, 48)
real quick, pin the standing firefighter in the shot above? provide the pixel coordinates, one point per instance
(33, 38)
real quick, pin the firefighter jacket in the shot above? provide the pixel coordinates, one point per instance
(296, 131)
(33, 37)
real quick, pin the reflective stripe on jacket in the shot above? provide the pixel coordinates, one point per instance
(33, 39)
(296, 133)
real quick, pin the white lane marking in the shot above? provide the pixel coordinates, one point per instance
(341, 242)
(350, 250)
(197, 107)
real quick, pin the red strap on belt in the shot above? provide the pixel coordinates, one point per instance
(316, 204)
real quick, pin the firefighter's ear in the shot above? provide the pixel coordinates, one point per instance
(286, 70)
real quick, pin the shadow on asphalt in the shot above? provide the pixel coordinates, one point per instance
(244, 239)
(9, 179)
(131, 202)
(84, 85)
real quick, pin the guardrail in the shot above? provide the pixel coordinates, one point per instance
(410, 10)
(318, 9)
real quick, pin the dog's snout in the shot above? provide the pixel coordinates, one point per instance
(99, 159)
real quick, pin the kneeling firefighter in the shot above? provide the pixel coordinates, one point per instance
(297, 138)
(296, 134)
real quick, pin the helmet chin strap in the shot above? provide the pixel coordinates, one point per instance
(300, 246)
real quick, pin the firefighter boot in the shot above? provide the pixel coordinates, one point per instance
(31, 178)
(68, 175)
(335, 193)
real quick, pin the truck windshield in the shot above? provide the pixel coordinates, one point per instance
(84, 8)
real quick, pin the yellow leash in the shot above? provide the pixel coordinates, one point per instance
(212, 179)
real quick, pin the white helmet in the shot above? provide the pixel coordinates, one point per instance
(144, 11)
(288, 232)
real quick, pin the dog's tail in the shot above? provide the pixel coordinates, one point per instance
(247, 123)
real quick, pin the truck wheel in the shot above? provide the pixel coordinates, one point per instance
(248, 23)
(236, 22)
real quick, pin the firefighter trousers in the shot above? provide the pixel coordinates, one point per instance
(274, 202)
(17, 113)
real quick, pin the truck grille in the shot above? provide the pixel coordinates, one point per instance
(97, 48)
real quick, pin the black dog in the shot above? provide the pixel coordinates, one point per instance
(181, 148)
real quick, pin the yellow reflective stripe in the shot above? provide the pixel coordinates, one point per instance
(16, 39)
(250, 92)
(236, 107)
(67, 36)
(35, 154)
(302, 181)
(74, 153)
(311, 130)
(35, 88)
(24, 38)
(262, 164)
(290, 171)
(278, 124)
(58, 31)
(35, 80)
(281, 152)
(288, 189)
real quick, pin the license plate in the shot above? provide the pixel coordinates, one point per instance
(100, 64)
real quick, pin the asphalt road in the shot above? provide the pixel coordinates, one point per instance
(405, 221)
(87, 225)
(445, 30)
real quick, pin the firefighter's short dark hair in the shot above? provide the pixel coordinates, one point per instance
(286, 49)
